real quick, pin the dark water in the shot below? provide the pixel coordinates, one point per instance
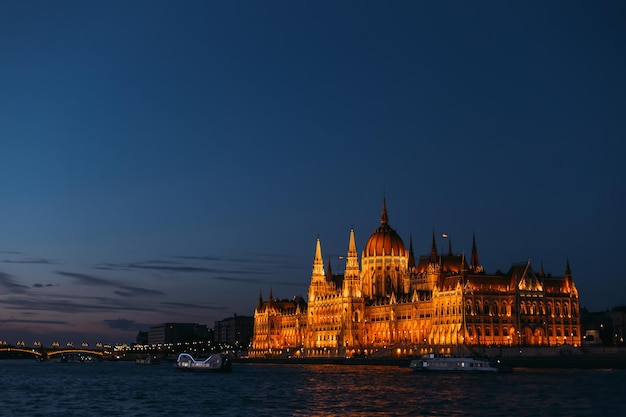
(29, 388)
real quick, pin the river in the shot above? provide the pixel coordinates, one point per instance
(30, 388)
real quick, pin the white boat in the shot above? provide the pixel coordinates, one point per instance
(434, 363)
(147, 360)
(217, 362)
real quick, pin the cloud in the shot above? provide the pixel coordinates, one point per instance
(124, 290)
(84, 279)
(193, 306)
(197, 264)
(232, 279)
(9, 284)
(11, 321)
(124, 324)
(137, 291)
(38, 285)
(172, 267)
(71, 305)
(29, 261)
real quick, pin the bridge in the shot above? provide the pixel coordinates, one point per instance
(46, 353)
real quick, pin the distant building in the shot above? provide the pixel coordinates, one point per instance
(605, 327)
(142, 338)
(394, 302)
(618, 316)
(234, 331)
(167, 333)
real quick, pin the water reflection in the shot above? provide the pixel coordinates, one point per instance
(49, 389)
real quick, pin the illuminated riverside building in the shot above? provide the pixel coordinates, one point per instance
(395, 303)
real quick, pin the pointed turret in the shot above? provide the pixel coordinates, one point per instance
(352, 260)
(319, 284)
(433, 250)
(541, 271)
(474, 263)
(568, 271)
(450, 247)
(260, 305)
(329, 272)
(411, 255)
(318, 262)
(352, 281)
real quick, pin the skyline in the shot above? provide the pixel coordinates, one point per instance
(167, 162)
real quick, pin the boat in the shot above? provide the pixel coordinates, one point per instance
(434, 363)
(217, 362)
(147, 360)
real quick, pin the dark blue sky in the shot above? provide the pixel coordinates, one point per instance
(166, 161)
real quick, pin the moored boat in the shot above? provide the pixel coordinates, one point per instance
(434, 363)
(147, 360)
(217, 362)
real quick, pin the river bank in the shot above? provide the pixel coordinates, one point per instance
(564, 357)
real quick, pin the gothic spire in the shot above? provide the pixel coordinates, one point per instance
(329, 272)
(568, 271)
(474, 264)
(260, 305)
(433, 249)
(450, 247)
(411, 255)
(352, 260)
(318, 262)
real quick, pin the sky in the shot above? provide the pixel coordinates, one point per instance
(169, 161)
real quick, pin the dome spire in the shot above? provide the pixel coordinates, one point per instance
(384, 220)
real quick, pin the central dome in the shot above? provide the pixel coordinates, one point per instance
(384, 240)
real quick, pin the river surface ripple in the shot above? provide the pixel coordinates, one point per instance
(30, 388)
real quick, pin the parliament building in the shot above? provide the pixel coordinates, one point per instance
(394, 304)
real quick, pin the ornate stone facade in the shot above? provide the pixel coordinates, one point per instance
(393, 303)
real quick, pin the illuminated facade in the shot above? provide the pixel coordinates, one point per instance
(393, 302)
